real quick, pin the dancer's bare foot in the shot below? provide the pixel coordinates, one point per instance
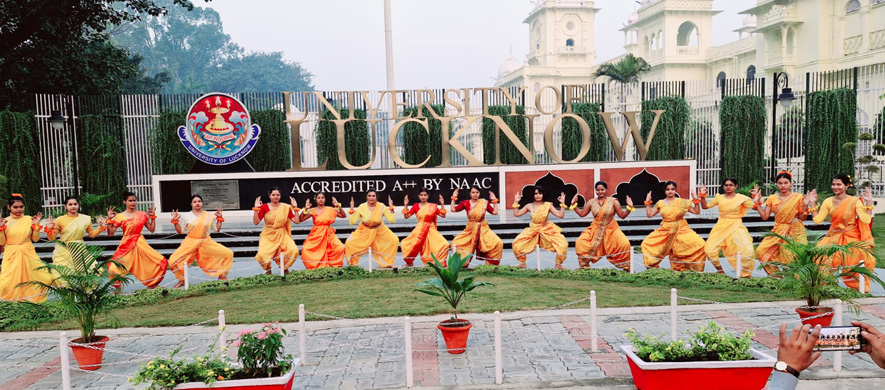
(179, 284)
(286, 271)
(720, 270)
(560, 266)
(268, 272)
(222, 277)
(521, 265)
(153, 287)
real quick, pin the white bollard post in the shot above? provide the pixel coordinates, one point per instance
(454, 249)
(739, 269)
(187, 283)
(862, 281)
(837, 319)
(407, 330)
(65, 361)
(538, 256)
(371, 259)
(593, 334)
(222, 340)
(632, 267)
(282, 264)
(673, 299)
(499, 358)
(302, 334)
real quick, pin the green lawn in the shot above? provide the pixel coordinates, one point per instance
(394, 295)
(879, 236)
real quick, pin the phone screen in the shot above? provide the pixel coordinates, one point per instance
(839, 338)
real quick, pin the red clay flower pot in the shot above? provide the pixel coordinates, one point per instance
(731, 375)
(455, 334)
(89, 358)
(275, 383)
(805, 312)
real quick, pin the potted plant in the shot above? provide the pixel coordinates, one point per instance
(809, 276)
(712, 358)
(446, 285)
(85, 290)
(261, 365)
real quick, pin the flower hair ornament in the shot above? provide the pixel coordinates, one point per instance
(16, 195)
(786, 173)
(850, 181)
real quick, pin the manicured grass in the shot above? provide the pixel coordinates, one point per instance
(879, 237)
(394, 295)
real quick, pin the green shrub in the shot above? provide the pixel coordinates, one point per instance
(417, 143)
(273, 152)
(742, 141)
(20, 158)
(490, 137)
(170, 157)
(102, 167)
(356, 137)
(832, 124)
(572, 137)
(669, 139)
(710, 343)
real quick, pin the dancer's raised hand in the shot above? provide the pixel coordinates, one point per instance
(293, 202)
(868, 196)
(50, 223)
(629, 201)
(561, 198)
(111, 212)
(441, 199)
(351, 202)
(575, 199)
(334, 202)
(36, 219)
(406, 201)
(151, 211)
(218, 213)
(648, 197)
(389, 200)
(517, 197)
(175, 215)
(307, 204)
(258, 202)
(492, 196)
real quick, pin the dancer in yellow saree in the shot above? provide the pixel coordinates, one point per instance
(674, 238)
(322, 248)
(850, 219)
(69, 228)
(541, 231)
(134, 253)
(213, 258)
(788, 208)
(21, 264)
(425, 240)
(603, 237)
(372, 233)
(276, 237)
(729, 235)
(478, 238)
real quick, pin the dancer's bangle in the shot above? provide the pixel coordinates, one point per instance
(3, 228)
(351, 211)
(174, 222)
(391, 208)
(36, 227)
(702, 196)
(869, 208)
(494, 201)
(563, 206)
(454, 198)
(573, 206)
(48, 230)
(102, 229)
(256, 209)
(648, 203)
(152, 217)
(443, 211)
(515, 205)
(219, 219)
(405, 211)
(696, 201)
(630, 209)
(296, 209)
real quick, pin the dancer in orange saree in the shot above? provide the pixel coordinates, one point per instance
(213, 258)
(134, 253)
(850, 219)
(674, 238)
(603, 237)
(424, 239)
(540, 232)
(322, 248)
(729, 235)
(21, 264)
(478, 238)
(276, 237)
(788, 208)
(372, 233)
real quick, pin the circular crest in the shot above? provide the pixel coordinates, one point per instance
(219, 130)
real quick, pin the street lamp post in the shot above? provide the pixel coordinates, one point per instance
(785, 98)
(58, 121)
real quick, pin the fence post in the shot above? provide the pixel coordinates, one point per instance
(538, 255)
(187, 284)
(282, 264)
(837, 318)
(673, 299)
(499, 359)
(593, 333)
(739, 262)
(65, 361)
(407, 330)
(371, 259)
(221, 333)
(862, 281)
(632, 268)
(302, 335)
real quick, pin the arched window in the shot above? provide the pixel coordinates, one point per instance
(687, 35)
(569, 42)
(751, 74)
(852, 6)
(720, 79)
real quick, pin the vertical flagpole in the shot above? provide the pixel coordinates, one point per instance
(388, 44)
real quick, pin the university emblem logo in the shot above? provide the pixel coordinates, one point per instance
(219, 130)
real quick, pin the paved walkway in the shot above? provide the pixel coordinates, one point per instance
(541, 349)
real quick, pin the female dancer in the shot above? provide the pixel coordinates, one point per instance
(322, 248)
(425, 239)
(541, 231)
(603, 237)
(787, 207)
(372, 233)
(276, 237)
(477, 238)
(134, 253)
(850, 219)
(213, 258)
(729, 235)
(21, 264)
(674, 238)
(69, 228)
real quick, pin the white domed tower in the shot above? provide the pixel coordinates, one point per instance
(561, 33)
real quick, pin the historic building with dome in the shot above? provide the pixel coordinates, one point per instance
(676, 38)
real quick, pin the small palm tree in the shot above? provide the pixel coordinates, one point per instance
(627, 70)
(809, 276)
(84, 289)
(447, 285)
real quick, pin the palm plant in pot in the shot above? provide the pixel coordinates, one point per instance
(85, 291)
(446, 285)
(810, 276)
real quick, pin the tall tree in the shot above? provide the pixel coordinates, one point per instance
(626, 71)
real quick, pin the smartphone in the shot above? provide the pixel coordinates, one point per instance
(840, 338)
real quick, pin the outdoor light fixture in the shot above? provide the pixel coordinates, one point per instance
(786, 97)
(56, 120)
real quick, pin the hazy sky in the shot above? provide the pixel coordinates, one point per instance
(436, 44)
